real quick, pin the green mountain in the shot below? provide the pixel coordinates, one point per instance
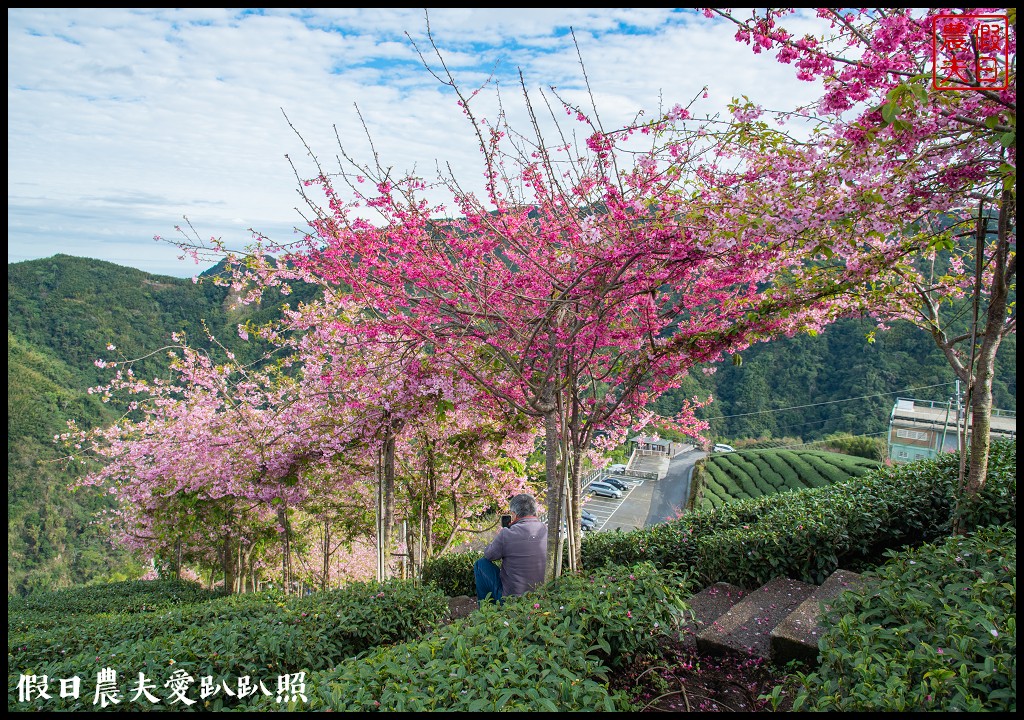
(811, 387)
(64, 311)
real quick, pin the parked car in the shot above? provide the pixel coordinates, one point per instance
(588, 515)
(586, 525)
(722, 447)
(616, 482)
(616, 469)
(605, 490)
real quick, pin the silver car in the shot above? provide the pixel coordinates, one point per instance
(605, 490)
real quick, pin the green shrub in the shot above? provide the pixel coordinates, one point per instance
(935, 631)
(872, 448)
(134, 596)
(265, 633)
(997, 503)
(452, 573)
(548, 650)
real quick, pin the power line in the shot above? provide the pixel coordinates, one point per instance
(829, 402)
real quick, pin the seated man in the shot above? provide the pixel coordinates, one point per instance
(522, 548)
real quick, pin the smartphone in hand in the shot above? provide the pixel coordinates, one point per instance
(506, 520)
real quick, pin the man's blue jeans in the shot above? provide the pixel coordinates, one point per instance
(488, 580)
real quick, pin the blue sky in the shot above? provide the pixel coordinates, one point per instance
(121, 122)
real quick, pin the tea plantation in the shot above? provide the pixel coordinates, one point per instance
(936, 631)
(725, 477)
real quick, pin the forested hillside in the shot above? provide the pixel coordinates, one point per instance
(64, 311)
(837, 382)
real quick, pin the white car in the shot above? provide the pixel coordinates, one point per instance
(722, 447)
(605, 490)
(616, 469)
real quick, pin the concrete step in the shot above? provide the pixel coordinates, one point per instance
(708, 605)
(796, 637)
(745, 627)
(776, 622)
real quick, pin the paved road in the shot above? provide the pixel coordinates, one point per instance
(651, 503)
(672, 491)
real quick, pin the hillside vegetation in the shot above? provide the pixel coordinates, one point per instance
(64, 311)
(725, 477)
(935, 632)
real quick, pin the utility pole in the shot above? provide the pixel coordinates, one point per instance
(960, 434)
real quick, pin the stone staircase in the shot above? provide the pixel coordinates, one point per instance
(777, 622)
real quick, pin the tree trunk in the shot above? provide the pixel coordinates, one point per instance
(286, 549)
(240, 564)
(252, 568)
(575, 505)
(425, 542)
(326, 553)
(554, 499)
(386, 500)
(389, 496)
(228, 559)
(246, 582)
(1003, 267)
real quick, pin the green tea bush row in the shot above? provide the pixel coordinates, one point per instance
(714, 487)
(135, 596)
(750, 474)
(231, 637)
(392, 609)
(713, 500)
(767, 472)
(740, 472)
(766, 443)
(832, 466)
(736, 483)
(549, 650)
(809, 533)
(762, 486)
(855, 465)
(872, 448)
(718, 475)
(935, 632)
(809, 476)
(784, 470)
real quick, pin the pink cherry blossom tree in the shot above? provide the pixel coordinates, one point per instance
(215, 453)
(591, 275)
(919, 163)
(296, 449)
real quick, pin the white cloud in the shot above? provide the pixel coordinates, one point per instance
(121, 122)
